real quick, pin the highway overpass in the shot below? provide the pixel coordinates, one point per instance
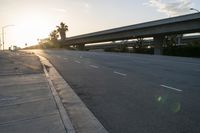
(184, 41)
(156, 29)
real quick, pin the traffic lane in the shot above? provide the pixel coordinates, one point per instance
(125, 61)
(180, 61)
(158, 98)
(172, 74)
(171, 106)
(109, 101)
(166, 78)
(185, 75)
(172, 103)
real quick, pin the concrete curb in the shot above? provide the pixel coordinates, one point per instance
(75, 115)
(65, 118)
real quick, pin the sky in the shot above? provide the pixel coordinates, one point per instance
(35, 19)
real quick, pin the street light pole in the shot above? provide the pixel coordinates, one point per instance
(0, 40)
(195, 10)
(3, 37)
(3, 33)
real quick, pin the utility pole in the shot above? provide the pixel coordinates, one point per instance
(0, 40)
(3, 37)
(3, 33)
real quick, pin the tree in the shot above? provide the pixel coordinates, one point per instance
(171, 40)
(62, 30)
(53, 35)
(140, 42)
(52, 42)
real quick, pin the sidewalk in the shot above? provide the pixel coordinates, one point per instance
(26, 101)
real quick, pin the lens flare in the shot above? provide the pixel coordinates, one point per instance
(171, 104)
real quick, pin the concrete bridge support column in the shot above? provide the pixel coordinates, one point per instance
(179, 39)
(158, 44)
(80, 47)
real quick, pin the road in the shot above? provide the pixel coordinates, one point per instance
(132, 93)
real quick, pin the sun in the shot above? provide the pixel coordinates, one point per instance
(32, 26)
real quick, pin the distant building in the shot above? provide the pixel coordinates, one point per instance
(44, 41)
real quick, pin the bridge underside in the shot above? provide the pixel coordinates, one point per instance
(157, 29)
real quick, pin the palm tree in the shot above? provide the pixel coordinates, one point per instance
(62, 30)
(53, 35)
(53, 43)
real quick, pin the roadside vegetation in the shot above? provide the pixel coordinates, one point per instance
(170, 47)
(55, 40)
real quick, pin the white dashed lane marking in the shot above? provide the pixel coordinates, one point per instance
(122, 74)
(77, 62)
(172, 88)
(93, 66)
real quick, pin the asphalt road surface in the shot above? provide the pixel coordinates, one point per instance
(131, 93)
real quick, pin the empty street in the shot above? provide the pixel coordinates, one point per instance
(133, 93)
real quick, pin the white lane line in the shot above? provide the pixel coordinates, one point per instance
(65, 58)
(172, 88)
(93, 66)
(122, 74)
(77, 61)
(57, 56)
(7, 99)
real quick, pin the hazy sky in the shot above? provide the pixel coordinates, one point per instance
(37, 18)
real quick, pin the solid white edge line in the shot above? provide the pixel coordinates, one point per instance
(122, 74)
(172, 88)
